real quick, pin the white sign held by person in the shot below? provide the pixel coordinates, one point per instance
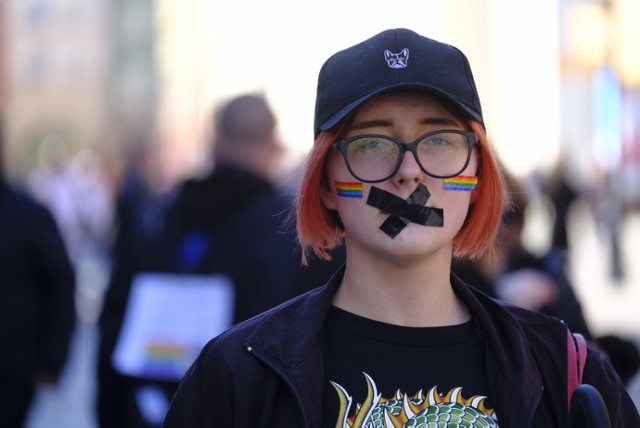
(169, 318)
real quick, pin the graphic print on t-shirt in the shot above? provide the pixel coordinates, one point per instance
(419, 410)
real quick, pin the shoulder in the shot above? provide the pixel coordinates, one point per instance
(231, 360)
(501, 310)
(506, 323)
(538, 327)
(289, 323)
(241, 364)
(531, 318)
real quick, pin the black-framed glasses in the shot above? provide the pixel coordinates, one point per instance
(372, 158)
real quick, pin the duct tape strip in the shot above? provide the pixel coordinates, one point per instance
(403, 211)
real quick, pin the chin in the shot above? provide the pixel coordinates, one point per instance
(419, 244)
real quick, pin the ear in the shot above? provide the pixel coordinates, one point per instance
(328, 195)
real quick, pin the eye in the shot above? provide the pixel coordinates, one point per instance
(438, 140)
(371, 145)
(365, 144)
(449, 140)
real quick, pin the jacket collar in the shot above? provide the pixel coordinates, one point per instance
(511, 371)
(292, 339)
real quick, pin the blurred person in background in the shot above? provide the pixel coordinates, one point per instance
(229, 223)
(37, 314)
(563, 195)
(73, 185)
(607, 204)
(50, 182)
(135, 188)
(539, 282)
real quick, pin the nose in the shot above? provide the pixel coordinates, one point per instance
(409, 170)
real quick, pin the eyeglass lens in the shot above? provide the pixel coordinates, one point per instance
(376, 157)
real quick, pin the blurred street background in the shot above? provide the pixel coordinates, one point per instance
(97, 95)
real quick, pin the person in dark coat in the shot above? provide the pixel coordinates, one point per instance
(402, 174)
(234, 221)
(37, 312)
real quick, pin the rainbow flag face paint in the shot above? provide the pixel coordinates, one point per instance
(349, 190)
(461, 182)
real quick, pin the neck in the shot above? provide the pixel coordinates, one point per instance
(415, 294)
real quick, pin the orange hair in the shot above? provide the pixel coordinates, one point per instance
(476, 237)
(320, 229)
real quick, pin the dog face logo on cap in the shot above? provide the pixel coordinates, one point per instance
(397, 60)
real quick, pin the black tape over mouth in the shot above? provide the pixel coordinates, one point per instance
(402, 212)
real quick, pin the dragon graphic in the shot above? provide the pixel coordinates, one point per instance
(451, 410)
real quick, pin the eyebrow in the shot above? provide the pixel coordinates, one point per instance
(385, 123)
(440, 121)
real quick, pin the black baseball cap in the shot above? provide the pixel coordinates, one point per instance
(392, 61)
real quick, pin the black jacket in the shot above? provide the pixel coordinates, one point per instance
(268, 371)
(37, 313)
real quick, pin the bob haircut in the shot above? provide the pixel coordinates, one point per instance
(320, 229)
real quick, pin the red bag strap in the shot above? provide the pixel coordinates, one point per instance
(576, 358)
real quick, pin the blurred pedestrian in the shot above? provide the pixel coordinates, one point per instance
(608, 209)
(51, 184)
(401, 172)
(134, 188)
(229, 225)
(563, 195)
(37, 314)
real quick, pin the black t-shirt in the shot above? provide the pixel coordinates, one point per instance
(383, 372)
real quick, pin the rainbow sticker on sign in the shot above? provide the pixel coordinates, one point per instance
(166, 360)
(461, 182)
(349, 190)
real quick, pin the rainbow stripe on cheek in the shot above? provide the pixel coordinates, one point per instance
(461, 182)
(349, 190)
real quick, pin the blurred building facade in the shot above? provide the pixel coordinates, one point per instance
(55, 74)
(3, 6)
(83, 70)
(132, 82)
(115, 74)
(601, 94)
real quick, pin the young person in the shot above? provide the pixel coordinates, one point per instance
(401, 172)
